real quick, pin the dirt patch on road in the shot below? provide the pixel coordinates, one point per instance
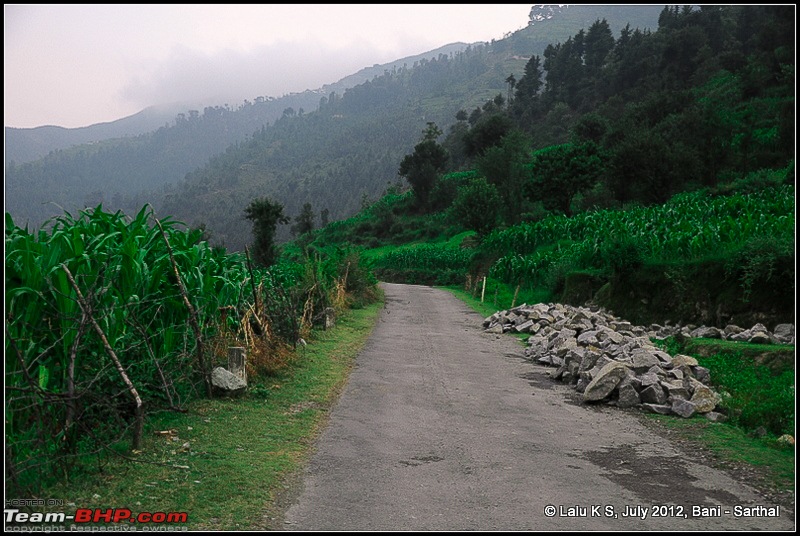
(656, 478)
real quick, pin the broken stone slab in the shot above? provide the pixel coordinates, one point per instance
(604, 333)
(563, 350)
(642, 360)
(715, 416)
(732, 329)
(575, 354)
(683, 408)
(524, 327)
(496, 328)
(605, 382)
(706, 332)
(702, 374)
(676, 373)
(653, 394)
(679, 360)
(784, 332)
(649, 378)
(662, 409)
(662, 356)
(621, 325)
(559, 372)
(759, 337)
(226, 382)
(743, 336)
(675, 390)
(588, 338)
(590, 357)
(573, 368)
(536, 340)
(628, 397)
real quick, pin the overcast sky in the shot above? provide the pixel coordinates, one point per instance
(75, 65)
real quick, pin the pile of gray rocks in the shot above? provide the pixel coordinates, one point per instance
(610, 360)
(758, 334)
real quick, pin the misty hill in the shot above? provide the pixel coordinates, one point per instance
(28, 144)
(333, 157)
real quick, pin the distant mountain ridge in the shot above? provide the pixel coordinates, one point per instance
(29, 144)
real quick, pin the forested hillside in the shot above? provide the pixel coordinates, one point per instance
(355, 141)
(653, 172)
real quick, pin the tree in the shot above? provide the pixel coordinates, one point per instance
(423, 166)
(304, 222)
(505, 167)
(487, 132)
(265, 215)
(477, 206)
(324, 217)
(531, 83)
(560, 172)
(512, 82)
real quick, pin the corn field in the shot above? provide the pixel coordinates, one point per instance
(427, 257)
(109, 317)
(690, 226)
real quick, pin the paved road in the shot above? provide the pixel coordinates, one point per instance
(444, 427)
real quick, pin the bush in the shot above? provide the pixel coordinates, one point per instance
(759, 260)
(621, 256)
(758, 181)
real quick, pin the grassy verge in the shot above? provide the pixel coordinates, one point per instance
(224, 462)
(498, 296)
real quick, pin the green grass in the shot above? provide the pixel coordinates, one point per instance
(778, 357)
(498, 296)
(225, 461)
(757, 391)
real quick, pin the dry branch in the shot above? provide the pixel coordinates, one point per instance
(139, 425)
(201, 361)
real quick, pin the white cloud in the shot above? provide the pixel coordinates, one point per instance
(74, 65)
(232, 75)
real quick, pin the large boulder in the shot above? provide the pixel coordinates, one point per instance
(605, 382)
(704, 399)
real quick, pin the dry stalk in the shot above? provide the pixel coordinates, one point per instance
(139, 426)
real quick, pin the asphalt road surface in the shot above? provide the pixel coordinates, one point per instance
(444, 427)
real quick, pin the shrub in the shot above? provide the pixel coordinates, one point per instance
(621, 255)
(759, 260)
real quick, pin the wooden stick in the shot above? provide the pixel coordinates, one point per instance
(201, 361)
(516, 293)
(139, 426)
